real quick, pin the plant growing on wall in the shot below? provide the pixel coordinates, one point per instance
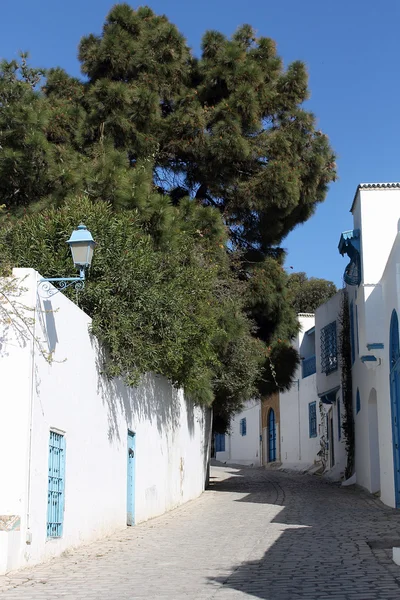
(347, 387)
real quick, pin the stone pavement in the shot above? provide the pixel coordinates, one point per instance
(255, 534)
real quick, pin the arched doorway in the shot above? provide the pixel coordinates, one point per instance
(375, 472)
(271, 436)
(395, 400)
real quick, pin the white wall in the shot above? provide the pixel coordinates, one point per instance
(243, 449)
(72, 396)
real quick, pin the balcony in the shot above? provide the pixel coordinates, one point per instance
(309, 366)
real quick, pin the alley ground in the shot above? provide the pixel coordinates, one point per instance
(254, 534)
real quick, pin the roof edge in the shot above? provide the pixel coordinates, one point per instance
(373, 186)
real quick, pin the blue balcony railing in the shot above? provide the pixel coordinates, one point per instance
(309, 366)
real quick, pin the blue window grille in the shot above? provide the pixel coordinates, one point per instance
(353, 355)
(243, 426)
(219, 442)
(329, 361)
(309, 366)
(358, 402)
(312, 417)
(55, 499)
(339, 420)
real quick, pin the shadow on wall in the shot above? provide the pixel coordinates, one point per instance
(310, 555)
(154, 400)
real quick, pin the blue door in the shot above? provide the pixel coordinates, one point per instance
(271, 436)
(130, 519)
(395, 401)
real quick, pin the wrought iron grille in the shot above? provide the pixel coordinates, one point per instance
(329, 360)
(312, 416)
(55, 500)
(309, 366)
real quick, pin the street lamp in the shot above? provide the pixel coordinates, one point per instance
(82, 245)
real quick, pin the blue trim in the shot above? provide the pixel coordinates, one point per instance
(358, 402)
(394, 361)
(56, 485)
(271, 436)
(219, 442)
(130, 484)
(329, 398)
(368, 358)
(312, 419)
(375, 346)
(308, 366)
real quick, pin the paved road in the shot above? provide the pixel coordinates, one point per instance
(254, 534)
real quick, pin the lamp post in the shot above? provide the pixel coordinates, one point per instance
(82, 245)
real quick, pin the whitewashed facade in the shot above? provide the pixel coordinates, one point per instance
(299, 408)
(329, 387)
(70, 400)
(373, 278)
(242, 444)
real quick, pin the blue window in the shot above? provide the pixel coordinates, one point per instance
(219, 442)
(358, 402)
(353, 354)
(308, 366)
(339, 420)
(243, 426)
(329, 361)
(55, 498)
(312, 417)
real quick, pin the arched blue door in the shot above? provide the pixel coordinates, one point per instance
(395, 400)
(271, 436)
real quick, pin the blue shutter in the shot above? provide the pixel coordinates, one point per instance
(312, 418)
(56, 485)
(352, 332)
(243, 426)
(358, 402)
(219, 442)
(339, 420)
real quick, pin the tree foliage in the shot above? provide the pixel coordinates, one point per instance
(307, 294)
(215, 151)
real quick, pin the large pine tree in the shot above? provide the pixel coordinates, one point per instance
(152, 125)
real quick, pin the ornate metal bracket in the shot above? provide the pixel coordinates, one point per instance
(52, 285)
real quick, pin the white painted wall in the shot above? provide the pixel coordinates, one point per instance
(376, 213)
(71, 395)
(244, 449)
(298, 449)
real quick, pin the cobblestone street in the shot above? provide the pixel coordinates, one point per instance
(254, 534)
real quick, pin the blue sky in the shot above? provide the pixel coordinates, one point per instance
(351, 49)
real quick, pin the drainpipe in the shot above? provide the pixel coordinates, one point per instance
(298, 407)
(32, 396)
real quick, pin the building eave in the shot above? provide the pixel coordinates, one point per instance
(373, 186)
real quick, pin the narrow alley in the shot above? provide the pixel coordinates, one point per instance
(254, 534)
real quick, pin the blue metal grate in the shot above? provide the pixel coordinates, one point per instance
(55, 500)
(309, 366)
(329, 361)
(312, 416)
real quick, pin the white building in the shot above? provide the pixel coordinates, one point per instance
(373, 284)
(300, 417)
(242, 444)
(82, 456)
(329, 386)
